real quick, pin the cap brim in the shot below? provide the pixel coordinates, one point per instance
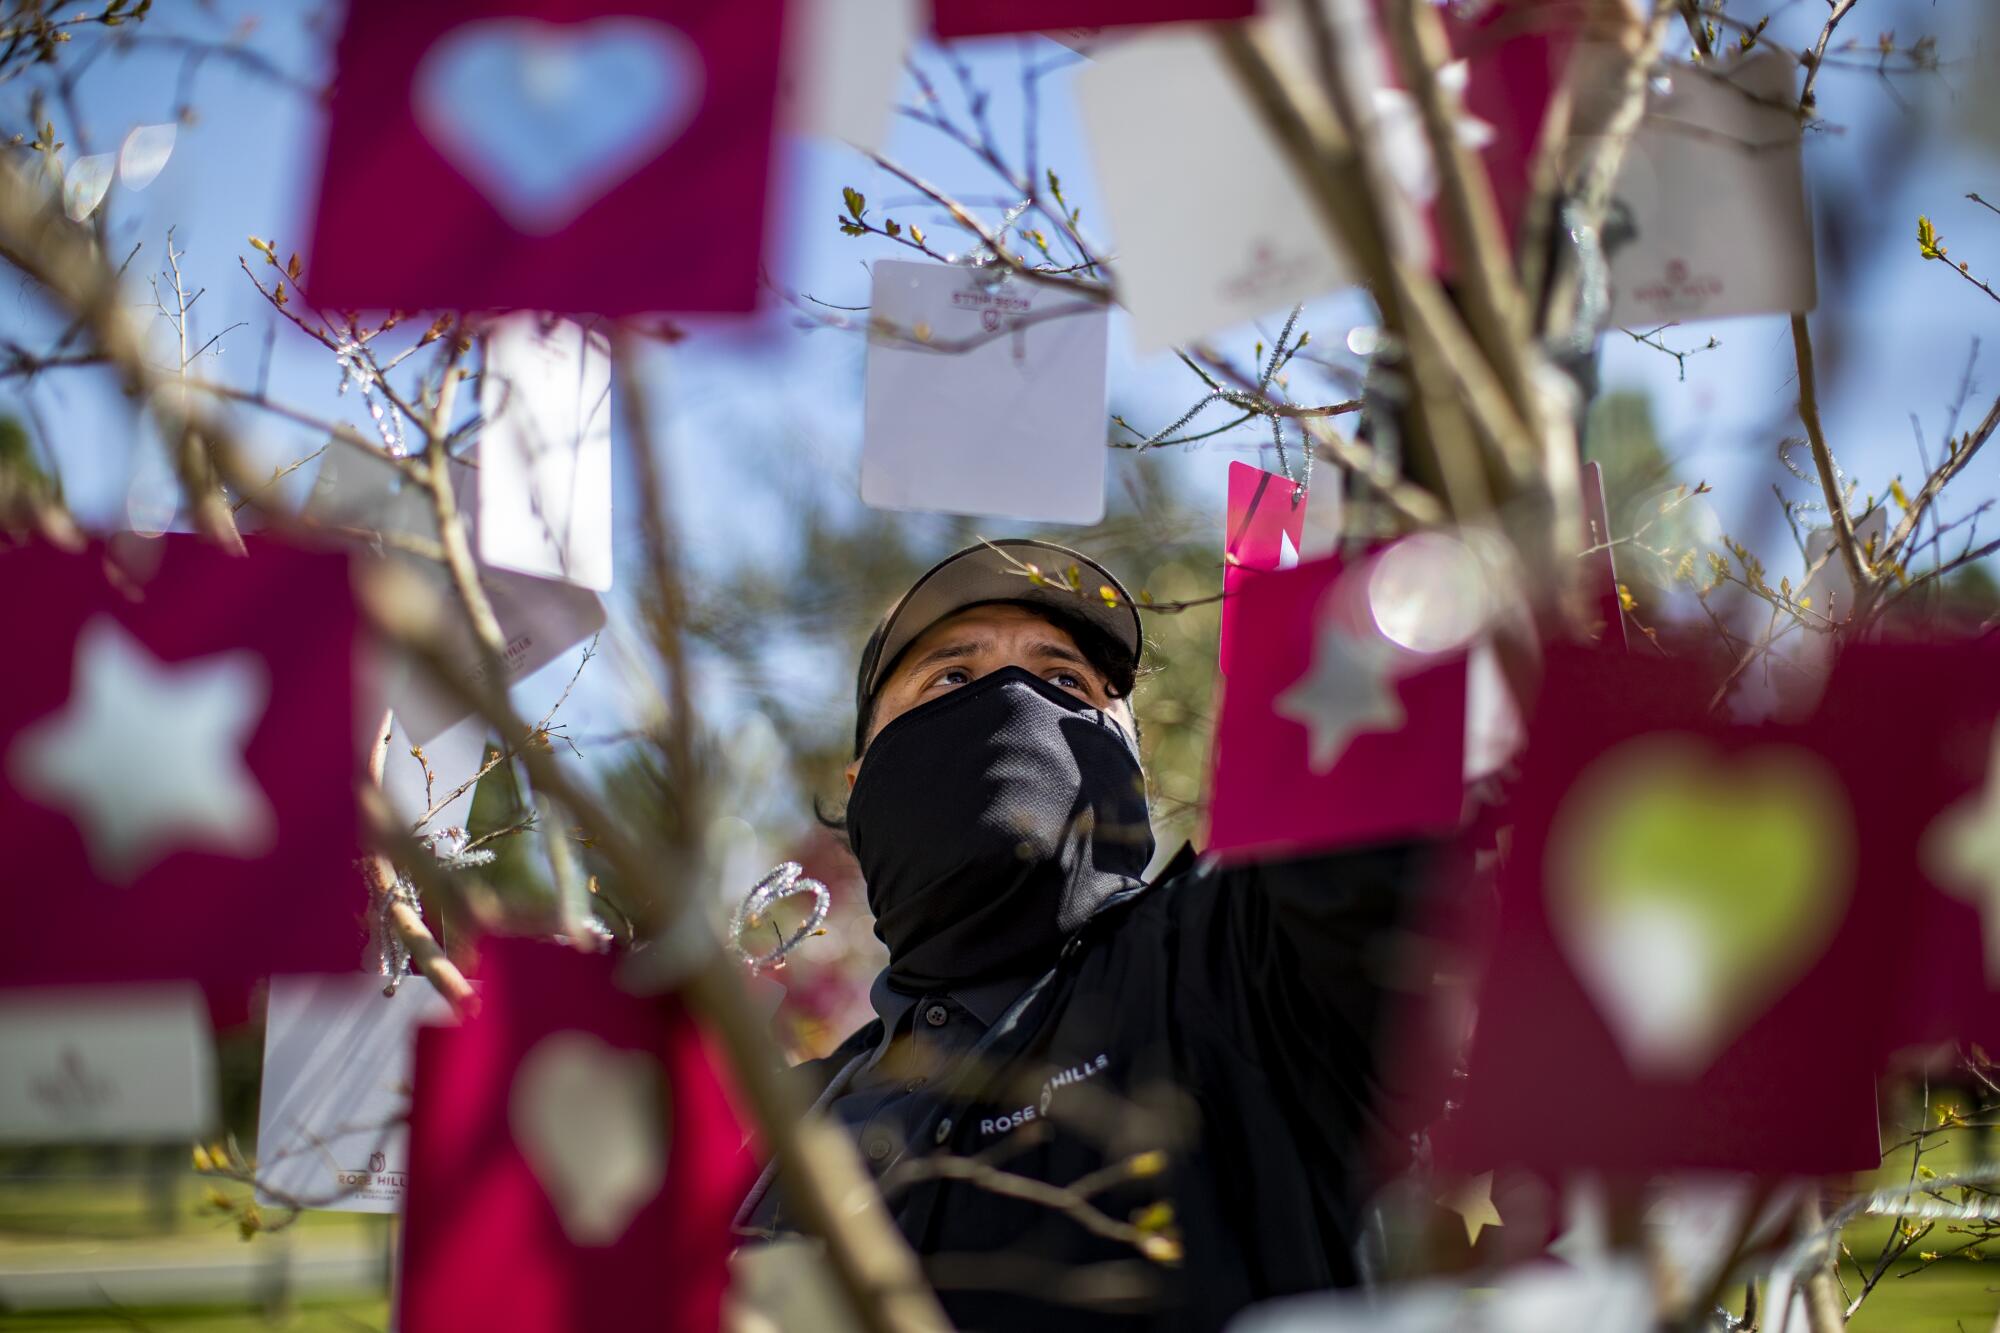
(1004, 571)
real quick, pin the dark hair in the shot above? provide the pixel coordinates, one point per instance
(1119, 667)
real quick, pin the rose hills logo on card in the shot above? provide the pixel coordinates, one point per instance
(73, 1088)
(1679, 289)
(375, 1181)
(1270, 275)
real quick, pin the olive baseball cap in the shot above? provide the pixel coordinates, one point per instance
(998, 571)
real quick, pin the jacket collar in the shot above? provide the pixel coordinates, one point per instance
(989, 1000)
(985, 1002)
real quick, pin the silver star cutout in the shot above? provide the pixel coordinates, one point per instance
(1345, 692)
(147, 756)
(1962, 849)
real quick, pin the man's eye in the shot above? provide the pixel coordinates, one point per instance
(953, 676)
(1069, 680)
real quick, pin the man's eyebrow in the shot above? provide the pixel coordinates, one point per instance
(950, 652)
(1061, 653)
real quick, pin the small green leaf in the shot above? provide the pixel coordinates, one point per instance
(1928, 242)
(857, 202)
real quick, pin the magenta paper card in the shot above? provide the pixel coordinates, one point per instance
(1330, 735)
(978, 18)
(1515, 54)
(1602, 576)
(1690, 929)
(601, 156)
(1920, 727)
(574, 1158)
(178, 754)
(1262, 531)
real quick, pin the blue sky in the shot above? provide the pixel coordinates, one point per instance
(749, 403)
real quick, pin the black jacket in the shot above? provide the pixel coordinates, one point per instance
(1230, 1019)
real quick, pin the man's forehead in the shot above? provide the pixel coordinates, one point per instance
(981, 624)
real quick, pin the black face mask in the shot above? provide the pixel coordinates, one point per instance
(990, 824)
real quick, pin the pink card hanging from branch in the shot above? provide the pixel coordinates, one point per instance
(178, 759)
(979, 18)
(563, 155)
(574, 1157)
(1343, 715)
(1263, 529)
(1688, 917)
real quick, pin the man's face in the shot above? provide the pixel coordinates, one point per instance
(977, 641)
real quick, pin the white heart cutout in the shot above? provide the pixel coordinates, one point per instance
(595, 1123)
(546, 119)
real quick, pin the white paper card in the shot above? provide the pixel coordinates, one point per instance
(113, 1064)
(1713, 189)
(1196, 255)
(844, 67)
(785, 1286)
(541, 618)
(1493, 730)
(414, 788)
(545, 452)
(983, 397)
(331, 1129)
(1830, 590)
(1611, 1297)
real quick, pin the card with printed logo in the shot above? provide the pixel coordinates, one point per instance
(1153, 109)
(545, 452)
(1709, 216)
(331, 1129)
(984, 396)
(112, 1064)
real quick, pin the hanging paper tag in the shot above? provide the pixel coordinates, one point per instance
(844, 67)
(540, 619)
(1194, 258)
(1709, 218)
(984, 397)
(330, 1125)
(545, 454)
(1262, 531)
(421, 791)
(117, 1064)
(979, 18)
(1331, 733)
(546, 154)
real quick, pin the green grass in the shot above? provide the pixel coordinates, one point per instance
(71, 1211)
(310, 1317)
(81, 1206)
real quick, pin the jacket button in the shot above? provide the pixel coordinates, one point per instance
(937, 1015)
(876, 1146)
(944, 1129)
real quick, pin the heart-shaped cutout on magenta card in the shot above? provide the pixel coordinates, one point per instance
(546, 119)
